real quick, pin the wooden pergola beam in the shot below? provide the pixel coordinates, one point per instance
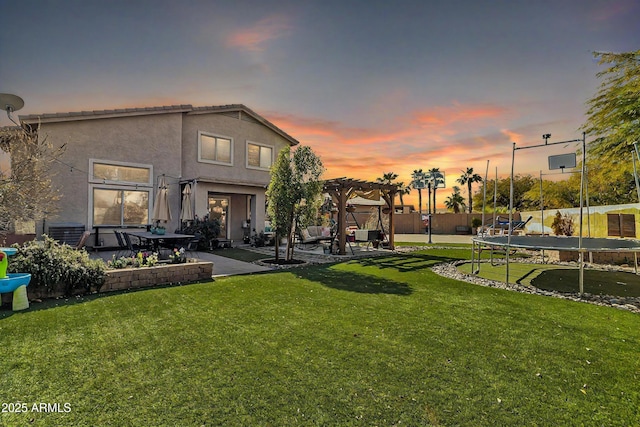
(341, 188)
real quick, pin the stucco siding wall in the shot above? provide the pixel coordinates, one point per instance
(147, 139)
(241, 131)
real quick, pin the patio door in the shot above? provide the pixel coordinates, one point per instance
(219, 209)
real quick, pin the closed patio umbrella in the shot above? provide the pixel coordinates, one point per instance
(187, 213)
(161, 210)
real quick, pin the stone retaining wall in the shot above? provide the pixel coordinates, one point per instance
(132, 278)
(163, 274)
(609, 257)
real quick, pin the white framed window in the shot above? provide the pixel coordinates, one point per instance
(114, 172)
(215, 149)
(119, 193)
(259, 156)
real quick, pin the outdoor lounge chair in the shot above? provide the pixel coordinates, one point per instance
(314, 235)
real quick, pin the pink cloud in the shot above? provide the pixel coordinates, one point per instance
(254, 38)
(611, 9)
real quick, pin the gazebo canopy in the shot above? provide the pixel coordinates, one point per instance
(342, 189)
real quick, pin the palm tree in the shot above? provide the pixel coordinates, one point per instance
(418, 177)
(402, 190)
(469, 178)
(455, 201)
(387, 178)
(437, 178)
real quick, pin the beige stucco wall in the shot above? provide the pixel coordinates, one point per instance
(240, 131)
(149, 139)
(168, 141)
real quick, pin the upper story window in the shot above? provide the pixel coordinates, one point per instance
(215, 149)
(259, 156)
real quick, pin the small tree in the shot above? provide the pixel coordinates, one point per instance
(562, 225)
(294, 193)
(455, 201)
(438, 178)
(418, 177)
(468, 178)
(27, 194)
(613, 117)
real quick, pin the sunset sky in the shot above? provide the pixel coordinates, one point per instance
(372, 86)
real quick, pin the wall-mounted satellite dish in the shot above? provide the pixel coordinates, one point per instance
(10, 103)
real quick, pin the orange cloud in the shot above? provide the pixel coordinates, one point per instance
(513, 136)
(254, 38)
(442, 137)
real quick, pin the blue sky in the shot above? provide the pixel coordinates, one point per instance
(371, 86)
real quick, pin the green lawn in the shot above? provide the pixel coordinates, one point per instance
(381, 341)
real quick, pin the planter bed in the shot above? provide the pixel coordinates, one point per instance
(132, 278)
(162, 274)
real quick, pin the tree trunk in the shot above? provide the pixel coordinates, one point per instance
(470, 198)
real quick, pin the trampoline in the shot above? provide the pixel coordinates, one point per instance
(557, 243)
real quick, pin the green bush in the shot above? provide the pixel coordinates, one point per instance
(207, 229)
(58, 267)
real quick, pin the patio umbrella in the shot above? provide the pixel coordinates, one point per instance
(161, 210)
(186, 214)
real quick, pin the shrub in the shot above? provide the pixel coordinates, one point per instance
(142, 259)
(562, 225)
(207, 229)
(58, 267)
(476, 222)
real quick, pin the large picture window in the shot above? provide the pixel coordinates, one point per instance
(120, 207)
(259, 156)
(215, 149)
(120, 194)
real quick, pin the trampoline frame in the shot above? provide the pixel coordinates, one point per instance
(492, 242)
(557, 243)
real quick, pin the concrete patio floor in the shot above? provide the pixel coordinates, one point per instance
(224, 266)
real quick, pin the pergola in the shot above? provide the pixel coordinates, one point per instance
(342, 189)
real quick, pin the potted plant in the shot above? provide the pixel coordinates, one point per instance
(475, 223)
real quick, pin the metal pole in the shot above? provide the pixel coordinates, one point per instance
(541, 213)
(513, 159)
(495, 200)
(581, 253)
(484, 196)
(541, 207)
(473, 255)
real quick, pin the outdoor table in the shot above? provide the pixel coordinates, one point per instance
(157, 239)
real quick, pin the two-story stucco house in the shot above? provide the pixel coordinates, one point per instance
(113, 160)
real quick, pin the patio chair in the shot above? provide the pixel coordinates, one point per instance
(122, 245)
(83, 240)
(191, 246)
(133, 248)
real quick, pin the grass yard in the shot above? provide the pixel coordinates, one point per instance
(380, 341)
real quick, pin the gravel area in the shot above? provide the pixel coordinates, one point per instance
(623, 303)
